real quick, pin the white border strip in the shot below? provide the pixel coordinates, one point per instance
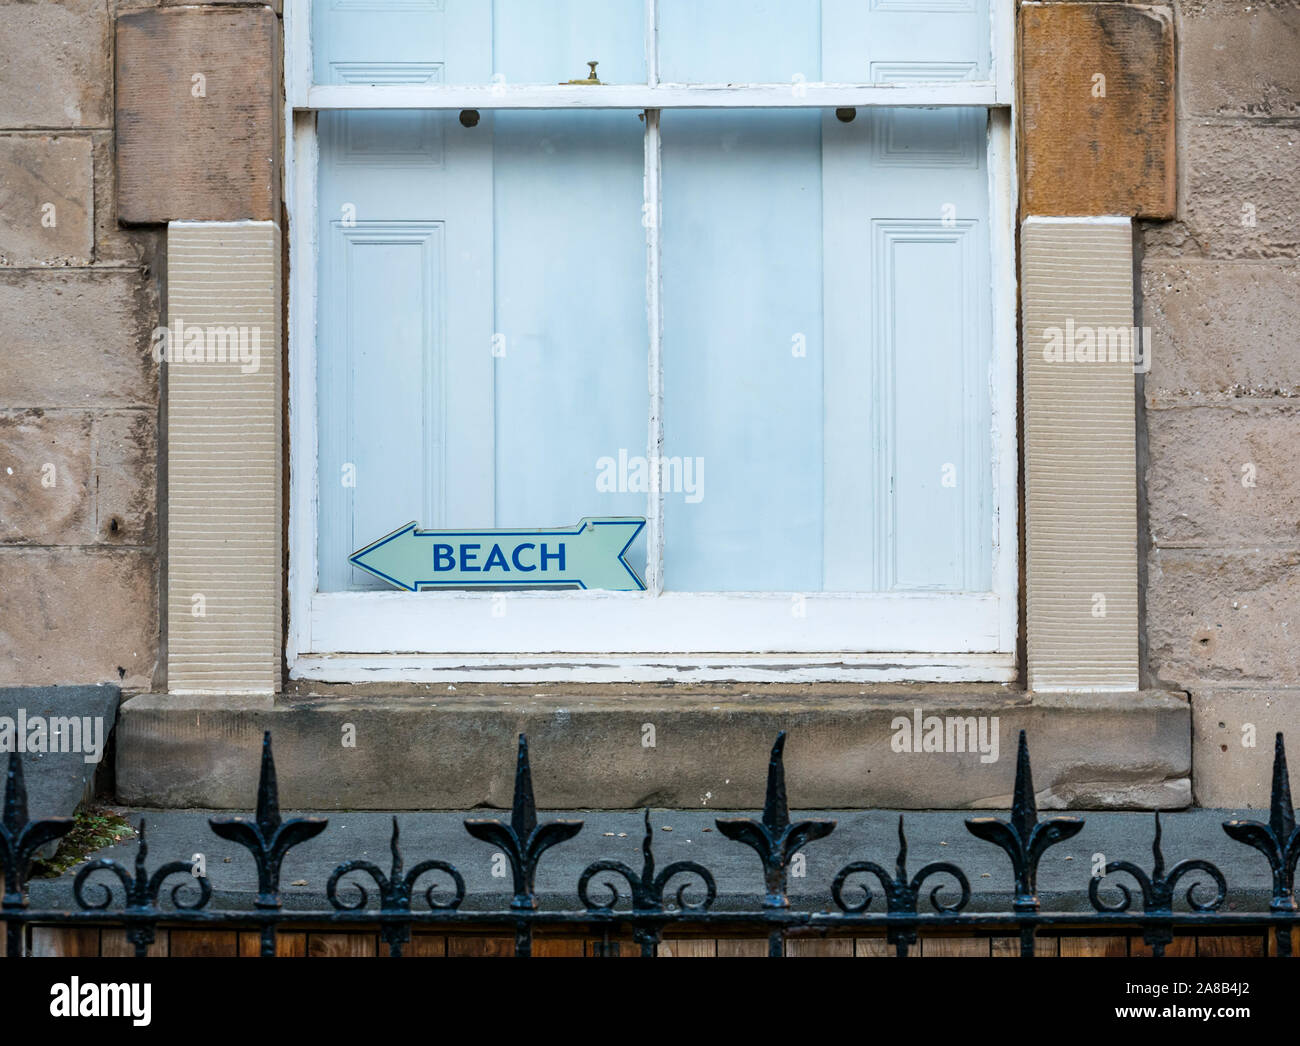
(866, 668)
(1003, 50)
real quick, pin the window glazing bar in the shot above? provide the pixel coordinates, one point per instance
(979, 93)
(651, 219)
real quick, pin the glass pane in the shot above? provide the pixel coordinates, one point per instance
(827, 325)
(836, 41)
(551, 41)
(482, 333)
(742, 262)
(477, 41)
(571, 390)
(739, 41)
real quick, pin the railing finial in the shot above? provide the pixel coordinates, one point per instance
(1024, 838)
(523, 840)
(266, 837)
(774, 838)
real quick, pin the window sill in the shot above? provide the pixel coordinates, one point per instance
(656, 668)
(432, 747)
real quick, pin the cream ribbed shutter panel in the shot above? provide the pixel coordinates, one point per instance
(224, 463)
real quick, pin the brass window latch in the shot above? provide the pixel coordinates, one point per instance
(591, 77)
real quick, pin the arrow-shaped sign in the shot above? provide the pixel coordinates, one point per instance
(590, 555)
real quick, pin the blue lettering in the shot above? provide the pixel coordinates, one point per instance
(553, 555)
(496, 558)
(443, 558)
(515, 557)
(467, 557)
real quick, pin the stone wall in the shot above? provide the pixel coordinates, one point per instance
(79, 296)
(1221, 292)
(1219, 415)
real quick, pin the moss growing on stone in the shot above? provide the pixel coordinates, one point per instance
(96, 828)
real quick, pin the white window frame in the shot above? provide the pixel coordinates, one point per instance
(652, 636)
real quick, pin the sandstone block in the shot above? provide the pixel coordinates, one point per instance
(126, 477)
(1232, 742)
(197, 116)
(1221, 331)
(46, 481)
(1097, 109)
(78, 616)
(1240, 59)
(56, 65)
(46, 200)
(78, 339)
(1243, 188)
(1224, 477)
(1227, 616)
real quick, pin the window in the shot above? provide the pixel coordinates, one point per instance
(742, 291)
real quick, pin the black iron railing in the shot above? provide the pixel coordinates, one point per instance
(647, 914)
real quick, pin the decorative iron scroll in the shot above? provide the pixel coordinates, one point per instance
(647, 915)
